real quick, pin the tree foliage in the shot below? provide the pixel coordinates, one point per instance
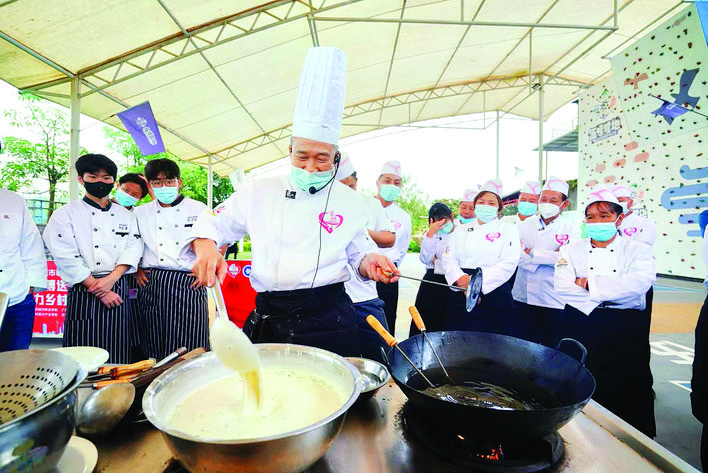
(194, 177)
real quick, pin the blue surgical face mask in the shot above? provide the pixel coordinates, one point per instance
(601, 231)
(166, 194)
(124, 199)
(527, 208)
(389, 192)
(305, 180)
(465, 220)
(445, 229)
(485, 213)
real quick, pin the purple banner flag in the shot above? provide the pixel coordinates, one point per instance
(141, 124)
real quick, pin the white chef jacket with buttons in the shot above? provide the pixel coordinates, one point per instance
(534, 278)
(619, 275)
(164, 230)
(401, 226)
(85, 240)
(494, 247)
(432, 249)
(359, 290)
(23, 263)
(286, 224)
(638, 228)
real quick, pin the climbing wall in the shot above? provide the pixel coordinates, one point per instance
(647, 127)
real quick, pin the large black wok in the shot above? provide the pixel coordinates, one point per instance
(495, 357)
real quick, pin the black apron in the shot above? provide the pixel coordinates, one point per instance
(431, 302)
(321, 317)
(537, 324)
(617, 341)
(493, 314)
(388, 293)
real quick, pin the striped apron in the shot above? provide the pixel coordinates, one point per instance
(90, 323)
(172, 314)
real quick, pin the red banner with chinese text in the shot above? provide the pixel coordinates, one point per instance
(50, 305)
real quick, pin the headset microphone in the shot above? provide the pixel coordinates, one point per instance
(337, 157)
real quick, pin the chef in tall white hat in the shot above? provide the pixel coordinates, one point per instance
(363, 293)
(388, 186)
(465, 211)
(634, 226)
(305, 227)
(603, 280)
(539, 307)
(488, 244)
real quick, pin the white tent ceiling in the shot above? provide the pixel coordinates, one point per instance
(221, 75)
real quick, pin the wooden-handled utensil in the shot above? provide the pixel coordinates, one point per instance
(418, 321)
(392, 342)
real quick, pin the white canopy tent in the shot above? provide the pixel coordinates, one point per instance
(221, 75)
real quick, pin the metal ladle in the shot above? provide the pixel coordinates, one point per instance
(104, 408)
(474, 288)
(418, 321)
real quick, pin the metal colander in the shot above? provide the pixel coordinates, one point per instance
(30, 378)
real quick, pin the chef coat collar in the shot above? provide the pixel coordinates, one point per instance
(177, 201)
(613, 243)
(96, 206)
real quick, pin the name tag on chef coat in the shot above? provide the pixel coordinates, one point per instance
(122, 229)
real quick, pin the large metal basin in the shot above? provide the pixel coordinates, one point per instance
(288, 452)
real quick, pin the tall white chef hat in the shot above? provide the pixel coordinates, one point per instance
(601, 193)
(622, 191)
(346, 167)
(494, 186)
(391, 167)
(320, 95)
(555, 184)
(531, 187)
(469, 195)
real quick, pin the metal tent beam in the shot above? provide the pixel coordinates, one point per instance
(423, 21)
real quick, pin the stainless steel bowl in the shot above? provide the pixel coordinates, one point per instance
(288, 452)
(373, 376)
(35, 437)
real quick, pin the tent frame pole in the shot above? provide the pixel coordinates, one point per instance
(540, 131)
(210, 185)
(75, 133)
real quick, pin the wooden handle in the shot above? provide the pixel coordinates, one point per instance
(119, 380)
(192, 354)
(417, 319)
(105, 369)
(134, 368)
(376, 325)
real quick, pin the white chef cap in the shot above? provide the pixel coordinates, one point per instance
(469, 195)
(531, 187)
(391, 167)
(494, 186)
(555, 184)
(601, 193)
(320, 95)
(346, 167)
(622, 191)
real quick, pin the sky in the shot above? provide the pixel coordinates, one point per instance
(442, 162)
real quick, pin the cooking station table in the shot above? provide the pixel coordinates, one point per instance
(374, 440)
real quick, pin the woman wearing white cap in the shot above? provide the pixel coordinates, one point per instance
(492, 246)
(540, 309)
(305, 229)
(604, 279)
(389, 188)
(465, 211)
(431, 300)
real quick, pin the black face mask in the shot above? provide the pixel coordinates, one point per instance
(98, 189)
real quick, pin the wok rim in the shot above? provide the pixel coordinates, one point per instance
(168, 375)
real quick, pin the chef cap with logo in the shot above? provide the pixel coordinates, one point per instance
(391, 167)
(346, 167)
(622, 191)
(531, 187)
(555, 184)
(469, 195)
(601, 193)
(320, 95)
(494, 186)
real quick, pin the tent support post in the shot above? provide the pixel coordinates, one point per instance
(540, 132)
(210, 185)
(74, 137)
(497, 143)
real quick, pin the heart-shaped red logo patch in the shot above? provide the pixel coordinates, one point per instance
(492, 236)
(330, 222)
(561, 239)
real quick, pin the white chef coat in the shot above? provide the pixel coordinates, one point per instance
(432, 249)
(359, 290)
(401, 226)
(164, 230)
(86, 240)
(534, 278)
(619, 274)
(638, 228)
(23, 263)
(494, 247)
(286, 224)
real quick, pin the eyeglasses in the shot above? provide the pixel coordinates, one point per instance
(164, 182)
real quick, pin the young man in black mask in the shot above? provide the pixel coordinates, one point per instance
(94, 243)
